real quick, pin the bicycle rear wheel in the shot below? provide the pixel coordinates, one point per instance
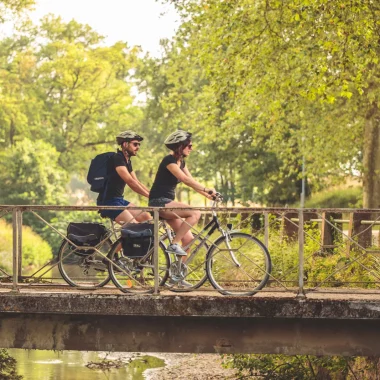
(136, 275)
(238, 265)
(82, 269)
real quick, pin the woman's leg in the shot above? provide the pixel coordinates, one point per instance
(176, 224)
(181, 229)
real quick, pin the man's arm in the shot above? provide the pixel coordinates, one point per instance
(133, 174)
(131, 182)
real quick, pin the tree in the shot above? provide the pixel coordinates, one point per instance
(8, 367)
(313, 65)
(228, 154)
(12, 7)
(30, 174)
(62, 85)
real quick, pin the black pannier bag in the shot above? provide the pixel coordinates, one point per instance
(87, 235)
(137, 239)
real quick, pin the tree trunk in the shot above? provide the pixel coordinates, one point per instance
(371, 160)
(12, 132)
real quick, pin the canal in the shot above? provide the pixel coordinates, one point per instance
(73, 365)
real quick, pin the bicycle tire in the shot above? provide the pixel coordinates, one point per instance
(74, 265)
(197, 273)
(136, 275)
(245, 279)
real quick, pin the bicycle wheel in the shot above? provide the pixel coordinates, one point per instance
(136, 275)
(81, 269)
(238, 266)
(193, 269)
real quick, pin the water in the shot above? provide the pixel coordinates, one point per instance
(53, 365)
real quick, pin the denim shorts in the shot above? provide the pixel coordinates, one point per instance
(113, 214)
(159, 202)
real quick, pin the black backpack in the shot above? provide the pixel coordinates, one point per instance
(97, 173)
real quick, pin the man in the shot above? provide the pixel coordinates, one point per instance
(120, 173)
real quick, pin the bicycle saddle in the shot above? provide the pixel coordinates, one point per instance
(82, 239)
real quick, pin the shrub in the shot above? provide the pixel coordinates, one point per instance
(340, 198)
(35, 251)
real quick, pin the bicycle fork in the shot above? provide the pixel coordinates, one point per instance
(228, 238)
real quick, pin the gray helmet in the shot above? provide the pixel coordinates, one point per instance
(177, 137)
(127, 136)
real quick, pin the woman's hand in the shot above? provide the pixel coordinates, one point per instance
(210, 193)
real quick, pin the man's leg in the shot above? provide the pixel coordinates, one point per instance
(140, 216)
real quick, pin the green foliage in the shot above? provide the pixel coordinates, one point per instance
(75, 93)
(287, 79)
(35, 251)
(284, 367)
(341, 198)
(8, 367)
(9, 8)
(31, 174)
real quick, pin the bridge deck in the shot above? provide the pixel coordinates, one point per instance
(64, 318)
(269, 304)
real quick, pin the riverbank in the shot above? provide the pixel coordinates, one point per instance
(181, 366)
(190, 366)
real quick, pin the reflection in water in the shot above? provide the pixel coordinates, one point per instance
(51, 365)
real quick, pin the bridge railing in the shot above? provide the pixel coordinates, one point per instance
(312, 250)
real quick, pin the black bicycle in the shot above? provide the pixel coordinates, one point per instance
(235, 263)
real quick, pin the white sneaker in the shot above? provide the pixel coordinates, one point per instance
(181, 284)
(176, 249)
(185, 284)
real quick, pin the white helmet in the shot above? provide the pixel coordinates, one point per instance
(127, 136)
(176, 138)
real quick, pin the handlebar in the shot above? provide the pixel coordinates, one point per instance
(217, 198)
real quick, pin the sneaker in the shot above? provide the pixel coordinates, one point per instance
(185, 284)
(181, 284)
(176, 249)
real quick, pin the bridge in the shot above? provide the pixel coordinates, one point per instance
(321, 324)
(303, 309)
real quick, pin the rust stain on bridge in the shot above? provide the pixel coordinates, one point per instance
(47, 318)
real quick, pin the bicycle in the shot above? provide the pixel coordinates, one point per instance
(242, 268)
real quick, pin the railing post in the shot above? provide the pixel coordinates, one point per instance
(15, 224)
(155, 253)
(266, 229)
(301, 237)
(19, 266)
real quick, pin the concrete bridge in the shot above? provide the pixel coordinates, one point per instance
(41, 317)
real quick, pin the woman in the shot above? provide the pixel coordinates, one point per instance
(173, 170)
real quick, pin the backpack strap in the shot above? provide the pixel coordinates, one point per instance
(106, 185)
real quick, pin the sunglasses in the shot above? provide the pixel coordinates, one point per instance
(190, 146)
(136, 144)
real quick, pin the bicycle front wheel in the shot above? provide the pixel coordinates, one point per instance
(84, 268)
(136, 275)
(238, 264)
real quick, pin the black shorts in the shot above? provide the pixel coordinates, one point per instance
(159, 202)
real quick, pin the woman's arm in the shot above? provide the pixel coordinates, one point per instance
(185, 177)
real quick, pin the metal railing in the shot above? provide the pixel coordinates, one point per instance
(312, 250)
